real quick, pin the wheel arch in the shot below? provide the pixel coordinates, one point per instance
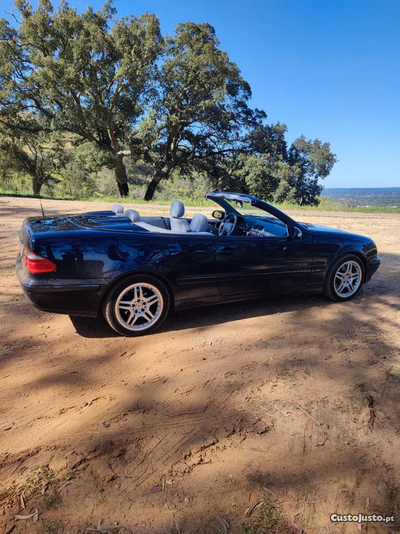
(136, 272)
(356, 253)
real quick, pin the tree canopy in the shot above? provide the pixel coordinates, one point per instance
(174, 103)
(84, 74)
(200, 110)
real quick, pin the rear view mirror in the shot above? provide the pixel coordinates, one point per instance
(218, 214)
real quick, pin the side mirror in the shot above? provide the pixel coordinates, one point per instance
(296, 233)
(218, 214)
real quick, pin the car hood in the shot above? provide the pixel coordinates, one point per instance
(319, 229)
(315, 229)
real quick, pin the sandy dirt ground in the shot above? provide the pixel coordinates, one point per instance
(295, 398)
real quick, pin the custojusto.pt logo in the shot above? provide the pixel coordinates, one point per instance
(362, 518)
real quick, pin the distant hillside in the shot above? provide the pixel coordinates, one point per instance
(388, 197)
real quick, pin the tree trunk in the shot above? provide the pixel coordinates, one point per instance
(121, 177)
(157, 177)
(36, 186)
(123, 190)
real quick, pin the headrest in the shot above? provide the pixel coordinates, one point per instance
(177, 209)
(117, 209)
(133, 215)
(199, 223)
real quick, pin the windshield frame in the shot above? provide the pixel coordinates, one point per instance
(220, 198)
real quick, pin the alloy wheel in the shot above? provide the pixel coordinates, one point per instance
(348, 278)
(139, 307)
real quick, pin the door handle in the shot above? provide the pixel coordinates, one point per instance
(226, 251)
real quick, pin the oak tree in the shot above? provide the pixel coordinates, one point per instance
(87, 74)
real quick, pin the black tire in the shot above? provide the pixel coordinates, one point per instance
(331, 290)
(140, 309)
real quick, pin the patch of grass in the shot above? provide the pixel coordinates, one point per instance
(41, 489)
(50, 527)
(38, 477)
(286, 374)
(267, 519)
(394, 372)
(69, 476)
(53, 500)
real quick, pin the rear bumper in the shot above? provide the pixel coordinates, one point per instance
(372, 266)
(71, 297)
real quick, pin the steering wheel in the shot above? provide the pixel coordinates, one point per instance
(228, 225)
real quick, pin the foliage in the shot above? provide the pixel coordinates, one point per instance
(27, 147)
(79, 92)
(76, 181)
(269, 169)
(191, 188)
(86, 74)
(313, 160)
(200, 109)
(267, 519)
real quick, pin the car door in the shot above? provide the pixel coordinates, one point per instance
(253, 265)
(185, 260)
(189, 260)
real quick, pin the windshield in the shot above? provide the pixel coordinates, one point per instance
(271, 223)
(247, 210)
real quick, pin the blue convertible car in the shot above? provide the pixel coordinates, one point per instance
(135, 269)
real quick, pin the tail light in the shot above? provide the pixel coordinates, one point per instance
(36, 264)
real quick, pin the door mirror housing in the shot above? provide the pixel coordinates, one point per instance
(295, 232)
(218, 214)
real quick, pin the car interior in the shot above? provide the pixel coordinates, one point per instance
(230, 224)
(174, 224)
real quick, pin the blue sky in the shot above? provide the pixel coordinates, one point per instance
(327, 69)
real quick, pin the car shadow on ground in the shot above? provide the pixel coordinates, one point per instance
(208, 315)
(380, 288)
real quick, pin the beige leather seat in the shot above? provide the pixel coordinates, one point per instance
(199, 223)
(177, 211)
(134, 216)
(118, 209)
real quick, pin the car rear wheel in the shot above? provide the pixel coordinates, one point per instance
(344, 279)
(137, 305)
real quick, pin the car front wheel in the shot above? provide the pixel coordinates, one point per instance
(137, 305)
(344, 279)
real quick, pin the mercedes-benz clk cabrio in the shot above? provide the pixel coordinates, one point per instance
(136, 269)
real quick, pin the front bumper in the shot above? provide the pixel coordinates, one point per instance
(373, 265)
(67, 296)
